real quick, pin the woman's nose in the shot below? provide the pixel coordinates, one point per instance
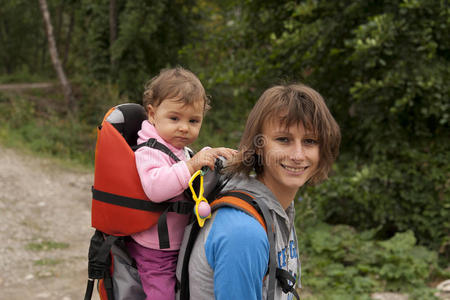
(298, 152)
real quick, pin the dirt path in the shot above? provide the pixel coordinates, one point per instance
(44, 228)
(25, 86)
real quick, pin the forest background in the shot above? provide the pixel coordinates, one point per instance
(382, 220)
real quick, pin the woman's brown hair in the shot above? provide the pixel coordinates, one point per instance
(289, 104)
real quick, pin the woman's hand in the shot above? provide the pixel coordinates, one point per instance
(208, 157)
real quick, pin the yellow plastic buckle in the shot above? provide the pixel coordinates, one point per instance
(198, 198)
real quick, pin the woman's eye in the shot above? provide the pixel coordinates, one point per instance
(282, 139)
(310, 142)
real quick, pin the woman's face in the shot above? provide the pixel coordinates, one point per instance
(290, 157)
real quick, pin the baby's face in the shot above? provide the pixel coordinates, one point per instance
(177, 123)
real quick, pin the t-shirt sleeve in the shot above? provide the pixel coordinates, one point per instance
(237, 249)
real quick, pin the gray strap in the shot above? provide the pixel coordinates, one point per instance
(272, 256)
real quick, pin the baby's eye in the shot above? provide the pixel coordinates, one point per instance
(194, 121)
(174, 118)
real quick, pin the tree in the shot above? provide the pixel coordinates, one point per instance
(112, 27)
(382, 68)
(20, 38)
(67, 89)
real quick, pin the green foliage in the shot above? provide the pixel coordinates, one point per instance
(37, 126)
(382, 68)
(21, 75)
(339, 262)
(390, 96)
(149, 35)
(95, 31)
(392, 196)
(21, 45)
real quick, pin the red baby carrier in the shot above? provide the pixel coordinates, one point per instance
(121, 208)
(119, 205)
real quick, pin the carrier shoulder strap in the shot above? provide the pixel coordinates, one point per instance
(178, 207)
(153, 143)
(246, 203)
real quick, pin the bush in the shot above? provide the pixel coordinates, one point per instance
(408, 193)
(340, 263)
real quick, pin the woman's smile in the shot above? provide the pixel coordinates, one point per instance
(295, 170)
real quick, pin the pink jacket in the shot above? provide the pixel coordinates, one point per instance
(161, 179)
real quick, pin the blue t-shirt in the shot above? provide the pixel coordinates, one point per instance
(237, 249)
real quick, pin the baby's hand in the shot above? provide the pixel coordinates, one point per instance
(208, 157)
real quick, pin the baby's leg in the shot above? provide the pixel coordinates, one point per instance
(157, 271)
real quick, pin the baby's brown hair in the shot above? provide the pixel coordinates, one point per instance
(175, 83)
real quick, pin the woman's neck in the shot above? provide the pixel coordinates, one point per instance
(284, 197)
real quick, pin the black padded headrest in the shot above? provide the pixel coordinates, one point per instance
(127, 119)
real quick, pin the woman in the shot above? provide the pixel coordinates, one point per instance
(290, 139)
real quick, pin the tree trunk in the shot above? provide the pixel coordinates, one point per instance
(67, 89)
(112, 28)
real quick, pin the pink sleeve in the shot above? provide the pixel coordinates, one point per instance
(160, 180)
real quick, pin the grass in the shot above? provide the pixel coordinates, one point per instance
(47, 262)
(35, 126)
(46, 246)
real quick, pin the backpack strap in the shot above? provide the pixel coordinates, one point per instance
(241, 201)
(235, 199)
(264, 217)
(99, 262)
(246, 203)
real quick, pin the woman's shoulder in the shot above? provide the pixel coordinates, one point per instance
(231, 225)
